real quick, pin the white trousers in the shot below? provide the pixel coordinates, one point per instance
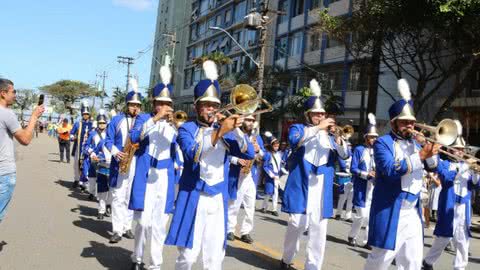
(104, 198)
(152, 221)
(360, 219)
(274, 198)
(460, 239)
(317, 237)
(347, 197)
(122, 217)
(311, 221)
(76, 168)
(408, 251)
(92, 186)
(246, 195)
(209, 235)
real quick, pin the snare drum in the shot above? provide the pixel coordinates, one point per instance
(103, 168)
(343, 177)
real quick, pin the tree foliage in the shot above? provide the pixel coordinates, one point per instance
(218, 57)
(427, 41)
(68, 92)
(26, 99)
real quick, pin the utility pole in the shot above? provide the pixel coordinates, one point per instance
(103, 76)
(259, 21)
(128, 61)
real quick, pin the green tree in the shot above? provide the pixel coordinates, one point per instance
(218, 57)
(26, 99)
(117, 102)
(428, 41)
(68, 92)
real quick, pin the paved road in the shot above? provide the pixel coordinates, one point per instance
(49, 226)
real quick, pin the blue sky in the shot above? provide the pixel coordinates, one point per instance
(48, 40)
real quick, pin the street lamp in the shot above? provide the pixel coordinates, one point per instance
(236, 42)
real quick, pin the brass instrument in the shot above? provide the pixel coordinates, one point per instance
(247, 168)
(244, 101)
(344, 132)
(129, 150)
(179, 117)
(445, 133)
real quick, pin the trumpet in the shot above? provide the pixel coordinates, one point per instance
(178, 118)
(244, 101)
(344, 132)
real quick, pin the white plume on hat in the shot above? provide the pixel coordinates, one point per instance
(315, 88)
(371, 119)
(133, 84)
(85, 103)
(210, 69)
(102, 112)
(268, 134)
(165, 74)
(404, 89)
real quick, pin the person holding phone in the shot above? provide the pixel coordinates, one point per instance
(9, 128)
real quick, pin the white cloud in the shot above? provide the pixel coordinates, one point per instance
(138, 5)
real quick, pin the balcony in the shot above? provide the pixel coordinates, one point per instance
(293, 62)
(339, 8)
(313, 16)
(282, 28)
(312, 58)
(297, 22)
(334, 54)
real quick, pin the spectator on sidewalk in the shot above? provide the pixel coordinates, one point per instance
(9, 128)
(64, 139)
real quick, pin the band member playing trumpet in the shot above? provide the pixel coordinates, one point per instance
(153, 189)
(121, 174)
(308, 196)
(454, 207)
(78, 135)
(363, 171)
(395, 214)
(200, 217)
(243, 179)
(97, 155)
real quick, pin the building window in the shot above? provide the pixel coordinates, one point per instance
(281, 48)
(335, 80)
(313, 42)
(188, 78)
(201, 29)
(240, 11)
(238, 36)
(228, 16)
(298, 7)
(283, 6)
(193, 32)
(235, 64)
(250, 37)
(296, 44)
(358, 79)
(203, 7)
(331, 42)
(315, 4)
(218, 20)
(197, 75)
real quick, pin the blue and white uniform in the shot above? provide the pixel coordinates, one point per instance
(395, 225)
(78, 135)
(346, 188)
(454, 211)
(272, 166)
(243, 190)
(362, 164)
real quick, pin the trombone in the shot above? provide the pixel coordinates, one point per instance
(244, 101)
(178, 118)
(446, 133)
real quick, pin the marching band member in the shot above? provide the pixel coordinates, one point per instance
(153, 189)
(455, 208)
(308, 196)
(345, 186)
(200, 217)
(363, 171)
(243, 179)
(395, 214)
(78, 135)
(95, 155)
(120, 182)
(272, 165)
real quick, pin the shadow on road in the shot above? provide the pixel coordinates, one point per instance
(254, 258)
(110, 257)
(74, 193)
(2, 244)
(100, 227)
(274, 220)
(85, 211)
(337, 240)
(361, 253)
(54, 160)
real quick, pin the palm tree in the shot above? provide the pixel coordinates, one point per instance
(117, 101)
(218, 57)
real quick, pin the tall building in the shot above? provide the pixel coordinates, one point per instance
(171, 37)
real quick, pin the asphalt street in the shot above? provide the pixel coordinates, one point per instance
(50, 226)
